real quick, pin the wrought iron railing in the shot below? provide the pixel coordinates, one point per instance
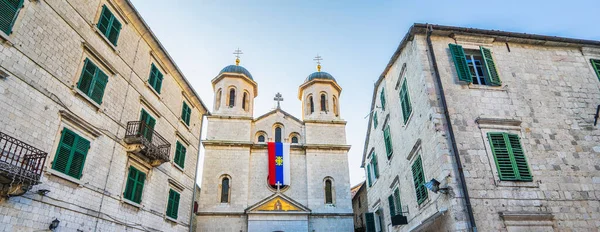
(19, 161)
(155, 146)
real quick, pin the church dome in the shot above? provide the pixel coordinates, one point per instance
(319, 75)
(236, 69)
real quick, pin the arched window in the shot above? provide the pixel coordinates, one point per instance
(278, 134)
(244, 98)
(323, 102)
(311, 105)
(261, 138)
(328, 191)
(231, 97)
(218, 100)
(336, 111)
(295, 139)
(225, 190)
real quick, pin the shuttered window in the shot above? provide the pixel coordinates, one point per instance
(460, 62)
(135, 185)
(397, 201)
(92, 81)
(509, 156)
(369, 181)
(109, 25)
(375, 165)
(370, 222)
(492, 73)
(388, 142)
(375, 120)
(147, 125)
(9, 10)
(382, 98)
(405, 102)
(155, 79)
(179, 154)
(71, 154)
(173, 204)
(392, 205)
(186, 112)
(419, 180)
(596, 65)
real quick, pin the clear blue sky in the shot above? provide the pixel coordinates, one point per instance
(356, 39)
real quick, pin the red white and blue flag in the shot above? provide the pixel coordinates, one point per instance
(279, 163)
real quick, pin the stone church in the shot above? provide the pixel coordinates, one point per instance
(235, 192)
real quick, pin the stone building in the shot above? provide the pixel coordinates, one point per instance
(359, 206)
(99, 129)
(485, 129)
(236, 195)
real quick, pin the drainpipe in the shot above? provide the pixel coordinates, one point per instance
(461, 175)
(196, 176)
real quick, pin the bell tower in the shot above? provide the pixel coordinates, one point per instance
(320, 96)
(234, 90)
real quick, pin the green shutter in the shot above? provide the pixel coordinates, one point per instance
(180, 154)
(460, 62)
(375, 122)
(155, 79)
(87, 76)
(405, 101)
(388, 142)
(99, 84)
(186, 113)
(109, 25)
(71, 154)
(173, 204)
(369, 181)
(382, 98)
(135, 185)
(370, 222)
(397, 201)
(392, 206)
(9, 10)
(149, 121)
(492, 78)
(419, 180)
(375, 165)
(509, 156)
(596, 66)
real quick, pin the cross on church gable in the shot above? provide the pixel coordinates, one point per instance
(278, 98)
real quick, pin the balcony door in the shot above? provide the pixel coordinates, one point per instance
(147, 125)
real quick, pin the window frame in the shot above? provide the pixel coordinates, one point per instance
(155, 78)
(387, 137)
(382, 99)
(222, 192)
(186, 113)
(231, 97)
(419, 179)
(96, 79)
(516, 171)
(109, 26)
(72, 150)
(173, 201)
(405, 103)
(331, 191)
(136, 183)
(179, 157)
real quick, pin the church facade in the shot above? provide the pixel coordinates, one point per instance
(236, 195)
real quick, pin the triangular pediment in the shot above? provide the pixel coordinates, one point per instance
(283, 113)
(277, 203)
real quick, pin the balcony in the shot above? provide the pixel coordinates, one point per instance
(21, 165)
(147, 143)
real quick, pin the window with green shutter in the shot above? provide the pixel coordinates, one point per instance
(392, 205)
(397, 201)
(460, 62)
(186, 112)
(375, 120)
(419, 180)
(369, 181)
(492, 73)
(370, 222)
(375, 165)
(135, 185)
(382, 98)
(148, 123)
(109, 26)
(155, 79)
(92, 81)
(405, 102)
(71, 154)
(179, 154)
(509, 156)
(596, 66)
(388, 141)
(475, 66)
(173, 204)
(9, 10)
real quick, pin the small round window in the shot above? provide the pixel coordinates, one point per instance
(261, 138)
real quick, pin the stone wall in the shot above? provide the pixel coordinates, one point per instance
(43, 58)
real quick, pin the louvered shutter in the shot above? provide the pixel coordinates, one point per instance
(388, 142)
(502, 156)
(405, 101)
(392, 206)
(104, 21)
(460, 62)
(130, 185)
(180, 151)
(375, 120)
(159, 80)
(9, 10)
(520, 162)
(185, 113)
(78, 157)
(397, 202)
(419, 180)
(139, 186)
(87, 76)
(596, 66)
(375, 165)
(492, 73)
(100, 80)
(115, 29)
(63, 153)
(370, 222)
(152, 78)
(382, 97)
(369, 175)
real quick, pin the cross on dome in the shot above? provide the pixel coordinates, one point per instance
(237, 54)
(318, 59)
